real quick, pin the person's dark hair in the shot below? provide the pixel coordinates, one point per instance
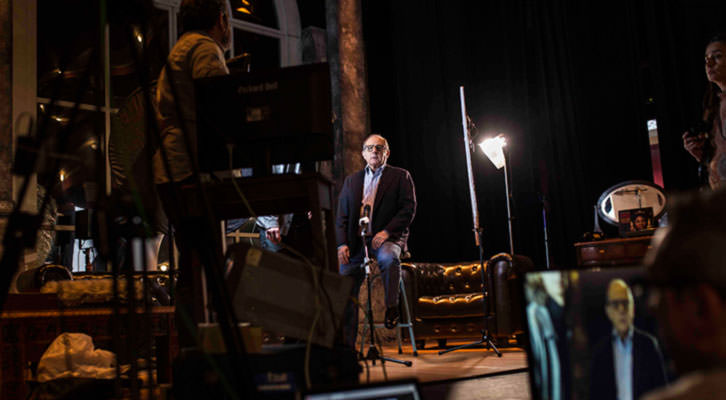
(635, 216)
(710, 98)
(690, 249)
(200, 15)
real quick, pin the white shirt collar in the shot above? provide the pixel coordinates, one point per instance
(370, 171)
(629, 336)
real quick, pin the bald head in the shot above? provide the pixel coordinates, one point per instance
(375, 151)
(378, 137)
(620, 307)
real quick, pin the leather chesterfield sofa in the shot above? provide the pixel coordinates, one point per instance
(446, 298)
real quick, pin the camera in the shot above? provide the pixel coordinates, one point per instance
(701, 130)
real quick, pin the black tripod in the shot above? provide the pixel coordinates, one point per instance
(373, 353)
(486, 339)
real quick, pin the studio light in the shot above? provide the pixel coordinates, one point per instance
(494, 149)
(486, 273)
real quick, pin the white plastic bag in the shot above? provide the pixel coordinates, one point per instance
(73, 355)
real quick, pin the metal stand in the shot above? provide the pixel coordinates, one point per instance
(546, 235)
(509, 200)
(373, 353)
(403, 323)
(486, 339)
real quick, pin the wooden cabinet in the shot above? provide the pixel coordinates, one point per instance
(611, 252)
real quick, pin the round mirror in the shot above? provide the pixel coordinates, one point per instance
(631, 195)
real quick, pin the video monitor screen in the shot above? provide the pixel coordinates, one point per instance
(592, 335)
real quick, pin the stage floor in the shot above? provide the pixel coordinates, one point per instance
(429, 366)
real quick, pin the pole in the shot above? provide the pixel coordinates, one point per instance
(546, 236)
(469, 171)
(485, 337)
(509, 201)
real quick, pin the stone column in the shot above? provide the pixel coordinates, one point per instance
(351, 122)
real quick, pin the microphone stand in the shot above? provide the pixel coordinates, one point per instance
(373, 353)
(478, 233)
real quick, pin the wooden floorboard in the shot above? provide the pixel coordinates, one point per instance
(429, 366)
(514, 386)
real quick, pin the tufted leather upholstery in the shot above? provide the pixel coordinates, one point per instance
(446, 298)
(448, 289)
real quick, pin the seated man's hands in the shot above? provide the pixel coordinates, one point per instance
(273, 235)
(343, 255)
(379, 239)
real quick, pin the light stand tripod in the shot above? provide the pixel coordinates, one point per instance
(373, 353)
(486, 339)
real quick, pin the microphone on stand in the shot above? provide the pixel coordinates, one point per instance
(365, 220)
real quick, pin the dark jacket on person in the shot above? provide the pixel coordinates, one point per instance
(648, 368)
(393, 207)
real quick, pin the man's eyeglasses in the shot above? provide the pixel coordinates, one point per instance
(370, 147)
(618, 303)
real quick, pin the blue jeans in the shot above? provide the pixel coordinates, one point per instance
(389, 262)
(265, 243)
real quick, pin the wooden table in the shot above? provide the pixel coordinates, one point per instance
(26, 334)
(612, 252)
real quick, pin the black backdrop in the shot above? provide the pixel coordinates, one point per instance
(566, 81)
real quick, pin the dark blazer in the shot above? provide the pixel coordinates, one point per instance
(393, 208)
(648, 368)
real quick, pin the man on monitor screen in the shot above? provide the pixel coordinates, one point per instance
(627, 363)
(544, 290)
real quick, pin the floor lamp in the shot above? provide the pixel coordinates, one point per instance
(486, 280)
(494, 148)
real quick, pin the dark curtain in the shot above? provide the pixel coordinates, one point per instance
(569, 83)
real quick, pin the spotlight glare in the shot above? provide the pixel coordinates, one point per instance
(492, 147)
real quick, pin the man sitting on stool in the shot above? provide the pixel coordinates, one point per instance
(389, 194)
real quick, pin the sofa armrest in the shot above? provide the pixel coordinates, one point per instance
(507, 272)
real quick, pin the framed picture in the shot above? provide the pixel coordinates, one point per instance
(636, 222)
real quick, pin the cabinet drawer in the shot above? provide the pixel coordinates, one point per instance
(602, 253)
(625, 251)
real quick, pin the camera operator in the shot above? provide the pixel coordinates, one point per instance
(707, 141)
